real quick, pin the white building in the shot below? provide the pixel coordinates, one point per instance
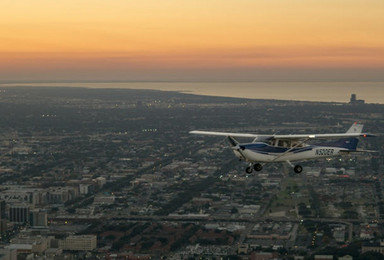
(79, 243)
(100, 181)
(104, 199)
(84, 188)
(36, 244)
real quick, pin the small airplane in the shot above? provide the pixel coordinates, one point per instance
(292, 147)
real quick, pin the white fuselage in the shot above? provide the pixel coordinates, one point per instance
(280, 154)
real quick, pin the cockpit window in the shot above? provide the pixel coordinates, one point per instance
(288, 143)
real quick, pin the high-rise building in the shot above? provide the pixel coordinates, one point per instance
(19, 213)
(38, 218)
(355, 101)
(3, 225)
(3, 214)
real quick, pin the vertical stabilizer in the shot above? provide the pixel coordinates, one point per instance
(355, 129)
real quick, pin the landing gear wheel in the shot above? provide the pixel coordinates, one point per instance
(257, 167)
(298, 169)
(249, 170)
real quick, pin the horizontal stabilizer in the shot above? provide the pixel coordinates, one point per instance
(358, 151)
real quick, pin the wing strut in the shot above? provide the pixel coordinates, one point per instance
(290, 164)
(235, 147)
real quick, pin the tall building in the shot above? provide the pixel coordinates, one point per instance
(3, 225)
(355, 101)
(19, 213)
(3, 214)
(38, 218)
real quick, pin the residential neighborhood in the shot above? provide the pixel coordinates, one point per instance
(96, 174)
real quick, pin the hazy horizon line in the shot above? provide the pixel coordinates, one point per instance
(173, 81)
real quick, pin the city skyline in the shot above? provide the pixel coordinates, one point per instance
(216, 40)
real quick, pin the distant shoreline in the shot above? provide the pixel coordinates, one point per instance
(336, 92)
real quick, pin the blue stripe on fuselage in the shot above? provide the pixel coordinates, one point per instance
(264, 148)
(300, 150)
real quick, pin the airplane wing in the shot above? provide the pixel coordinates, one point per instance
(322, 136)
(291, 136)
(354, 131)
(227, 134)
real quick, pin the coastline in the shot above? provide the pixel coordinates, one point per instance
(338, 92)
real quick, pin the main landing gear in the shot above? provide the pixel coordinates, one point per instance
(298, 169)
(257, 167)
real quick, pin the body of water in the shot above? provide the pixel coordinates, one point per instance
(371, 92)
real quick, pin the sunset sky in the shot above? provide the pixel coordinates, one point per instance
(45, 40)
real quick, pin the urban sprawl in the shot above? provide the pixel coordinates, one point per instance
(114, 174)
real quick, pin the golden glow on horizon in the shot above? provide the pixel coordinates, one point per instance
(100, 34)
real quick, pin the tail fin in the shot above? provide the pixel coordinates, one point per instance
(355, 129)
